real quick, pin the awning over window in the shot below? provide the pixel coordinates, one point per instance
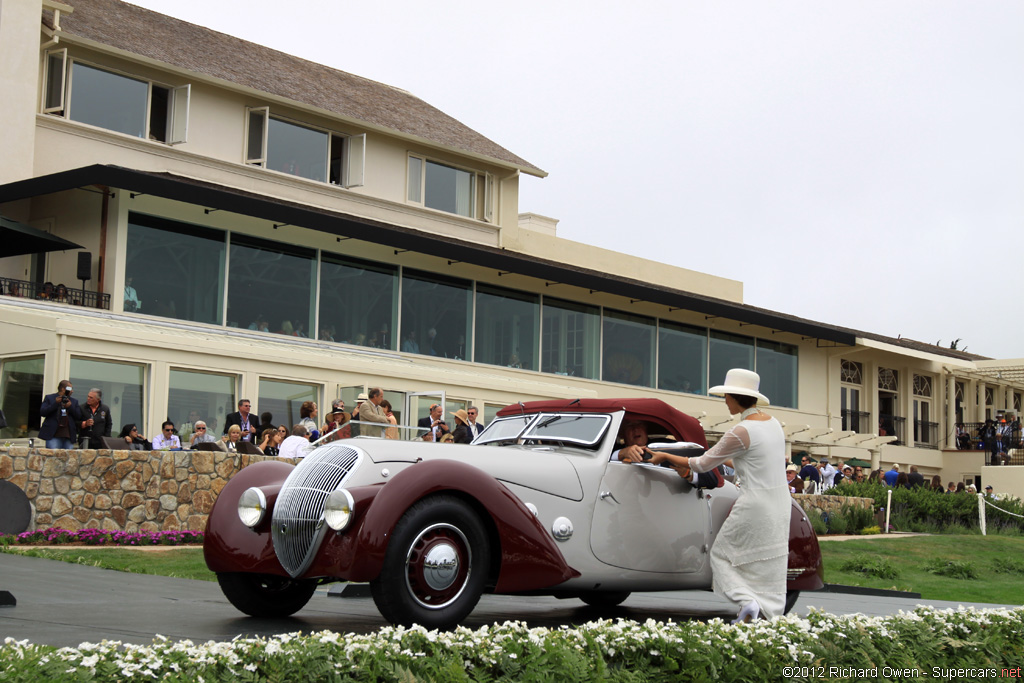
(212, 196)
(17, 239)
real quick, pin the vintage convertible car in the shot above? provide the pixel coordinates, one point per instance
(534, 506)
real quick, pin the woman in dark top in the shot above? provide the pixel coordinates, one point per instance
(135, 441)
(462, 433)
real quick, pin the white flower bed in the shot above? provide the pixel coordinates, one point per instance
(855, 647)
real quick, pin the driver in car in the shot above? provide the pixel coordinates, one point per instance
(633, 434)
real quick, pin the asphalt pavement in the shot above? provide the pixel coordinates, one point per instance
(65, 604)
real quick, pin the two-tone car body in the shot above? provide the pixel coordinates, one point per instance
(536, 505)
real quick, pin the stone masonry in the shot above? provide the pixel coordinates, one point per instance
(133, 491)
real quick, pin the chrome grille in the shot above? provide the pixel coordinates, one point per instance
(297, 526)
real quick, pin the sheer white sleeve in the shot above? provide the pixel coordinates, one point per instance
(735, 441)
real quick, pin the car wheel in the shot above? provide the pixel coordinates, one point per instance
(791, 598)
(434, 566)
(266, 595)
(605, 599)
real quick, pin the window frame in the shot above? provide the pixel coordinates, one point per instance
(179, 99)
(479, 181)
(353, 148)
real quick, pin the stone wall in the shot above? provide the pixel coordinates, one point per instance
(129, 491)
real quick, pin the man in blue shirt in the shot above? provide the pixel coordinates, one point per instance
(891, 475)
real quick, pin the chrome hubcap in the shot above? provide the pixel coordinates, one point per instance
(441, 566)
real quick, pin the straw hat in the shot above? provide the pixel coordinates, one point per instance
(461, 414)
(340, 416)
(792, 468)
(742, 383)
(362, 397)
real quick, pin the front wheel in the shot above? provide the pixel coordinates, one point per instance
(604, 599)
(266, 595)
(434, 566)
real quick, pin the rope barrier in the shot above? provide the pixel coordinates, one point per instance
(1012, 514)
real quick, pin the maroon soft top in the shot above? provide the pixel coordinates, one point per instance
(678, 424)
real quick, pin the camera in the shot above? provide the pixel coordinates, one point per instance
(65, 400)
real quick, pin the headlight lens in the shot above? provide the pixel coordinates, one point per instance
(252, 506)
(338, 509)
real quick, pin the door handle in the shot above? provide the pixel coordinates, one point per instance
(608, 494)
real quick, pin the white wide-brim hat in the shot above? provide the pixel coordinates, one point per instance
(743, 383)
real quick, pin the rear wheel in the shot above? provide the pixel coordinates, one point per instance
(266, 595)
(435, 565)
(605, 599)
(791, 598)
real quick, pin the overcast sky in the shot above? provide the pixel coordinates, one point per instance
(855, 163)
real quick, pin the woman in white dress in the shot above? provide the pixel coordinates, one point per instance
(749, 557)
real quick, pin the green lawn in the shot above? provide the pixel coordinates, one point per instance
(182, 563)
(908, 556)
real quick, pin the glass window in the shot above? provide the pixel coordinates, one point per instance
(682, 358)
(123, 386)
(490, 412)
(175, 270)
(200, 396)
(777, 366)
(436, 318)
(728, 351)
(284, 400)
(572, 338)
(358, 302)
(21, 395)
(271, 287)
(108, 100)
(628, 349)
(506, 327)
(448, 189)
(297, 150)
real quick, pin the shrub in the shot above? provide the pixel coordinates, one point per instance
(857, 518)
(1007, 565)
(838, 523)
(871, 566)
(956, 569)
(871, 530)
(817, 521)
(923, 509)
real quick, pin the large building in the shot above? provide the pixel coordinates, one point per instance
(258, 226)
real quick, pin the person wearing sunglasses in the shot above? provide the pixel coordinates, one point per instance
(136, 441)
(200, 434)
(166, 440)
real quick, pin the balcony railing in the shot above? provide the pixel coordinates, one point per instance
(1011, 439)
(893, 425)
(857, 421)
(926, 434)
(23, 289)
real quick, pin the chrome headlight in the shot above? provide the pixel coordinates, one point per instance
(252, 507)
(338, 509)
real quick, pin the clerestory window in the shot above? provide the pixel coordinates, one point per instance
(115, 101)
(302, 150)
(450, 189)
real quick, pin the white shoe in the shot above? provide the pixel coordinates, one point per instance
(749, 612)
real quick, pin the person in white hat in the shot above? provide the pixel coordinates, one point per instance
(749, 558)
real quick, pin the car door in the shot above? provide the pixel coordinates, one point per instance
(647, 518)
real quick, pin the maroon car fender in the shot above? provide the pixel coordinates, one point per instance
(805, 571)
(229, 545)
(530, 560)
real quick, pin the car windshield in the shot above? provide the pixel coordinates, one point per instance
(576, 429)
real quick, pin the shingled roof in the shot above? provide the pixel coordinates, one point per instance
(201, 50)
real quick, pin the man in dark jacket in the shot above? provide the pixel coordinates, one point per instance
(96, 422)
(246, 421)
(60, 414)
(915, 478)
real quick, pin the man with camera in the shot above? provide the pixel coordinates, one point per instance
(61, 414)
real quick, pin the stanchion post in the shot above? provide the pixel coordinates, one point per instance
(981, 512)
(888, 509)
